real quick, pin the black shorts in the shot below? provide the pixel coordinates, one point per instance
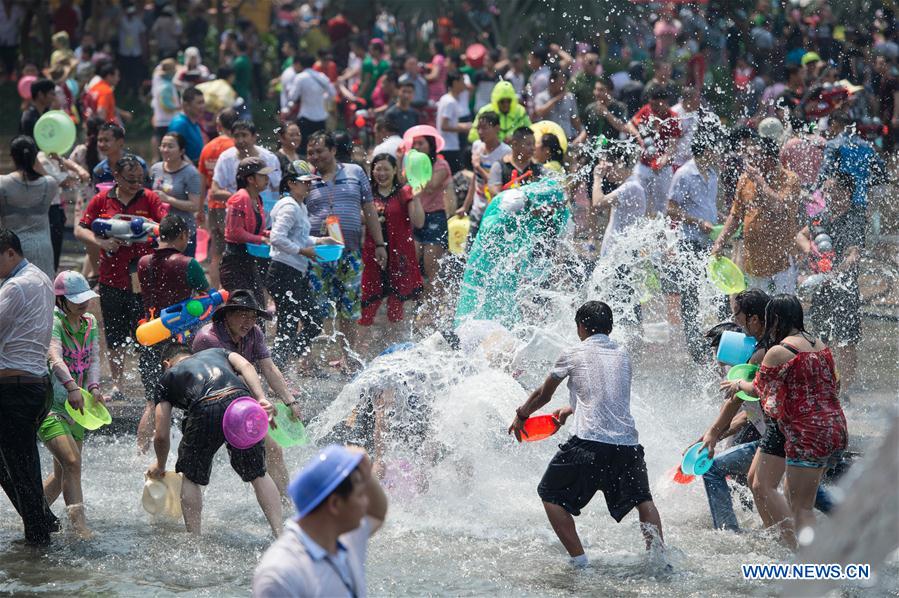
(203, 437)
(772, 443)
(122, 310)
(434, 231)
(582, 467)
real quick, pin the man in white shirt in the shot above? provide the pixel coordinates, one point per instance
(322, 552)
(692, 204)
(224, 177)
(387, 136)
(26, 321)
(449, 111)
(603, 452)
(311, 90)
(687, 111)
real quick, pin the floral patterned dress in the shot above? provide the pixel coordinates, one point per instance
(801, 396)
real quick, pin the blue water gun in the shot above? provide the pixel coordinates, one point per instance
(128, 229)
(180, 318)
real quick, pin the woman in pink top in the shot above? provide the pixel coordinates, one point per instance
(432, 239)
(245, 223)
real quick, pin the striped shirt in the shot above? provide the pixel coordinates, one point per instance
(342, 197)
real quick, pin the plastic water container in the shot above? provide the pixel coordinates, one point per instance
(539, 427)
(328, 253)
(745, 372)
(735, 348)
(95, 413)
(458, 227)
(696, 461)
(260, 250)
(245, 423)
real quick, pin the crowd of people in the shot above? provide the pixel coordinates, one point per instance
(784, 182)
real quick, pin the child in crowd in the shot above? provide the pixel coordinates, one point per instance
(75, 362)
(166, 277)
(603, 452)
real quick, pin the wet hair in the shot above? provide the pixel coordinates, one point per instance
(541, 53)
(344, 144)
(9, 240)
(595, 317)
(752, 302)
(23, 151)
(243, 125)
(42, 87)
(452, 78)
(490, 118)
(306, 60)
(116, 131)
(179, 139)
(708, 139)
(325, 137)
(62, 303)
(127, 161)
(556, 73)
(521, 133)
(714, 333)
(385, 124)
(106, 69)
(171, 227)
(379, 158)
(622, 154)
(782, 314)
(551, 143)
(227, 118)
(190, 94)
(432, 147)
(173, 350)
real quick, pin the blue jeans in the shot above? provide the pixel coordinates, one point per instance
(736, 461)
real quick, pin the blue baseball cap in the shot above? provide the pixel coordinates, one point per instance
(321, 475)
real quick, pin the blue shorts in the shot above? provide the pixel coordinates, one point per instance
(434, 231)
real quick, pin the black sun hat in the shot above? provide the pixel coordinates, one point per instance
(241, 300)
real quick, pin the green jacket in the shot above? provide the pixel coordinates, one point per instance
(516, 118)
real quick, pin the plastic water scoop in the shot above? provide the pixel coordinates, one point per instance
(94, 415)
(287, 431)
(735, 347)
(696, 460)
(539, 427)
(747, 372)
(245, 423)
(726, 275)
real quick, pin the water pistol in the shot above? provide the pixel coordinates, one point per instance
(128, 229)
(180, 318)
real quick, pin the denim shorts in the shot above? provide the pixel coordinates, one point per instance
(434, 231)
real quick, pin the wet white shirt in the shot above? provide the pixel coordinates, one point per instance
(630, 206)
(26, 320)
(295, 566)
(599, 386)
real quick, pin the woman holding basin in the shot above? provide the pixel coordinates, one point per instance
(74, 358)
(287, 279)
(246, 239)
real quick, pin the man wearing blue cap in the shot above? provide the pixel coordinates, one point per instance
(340, 504)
